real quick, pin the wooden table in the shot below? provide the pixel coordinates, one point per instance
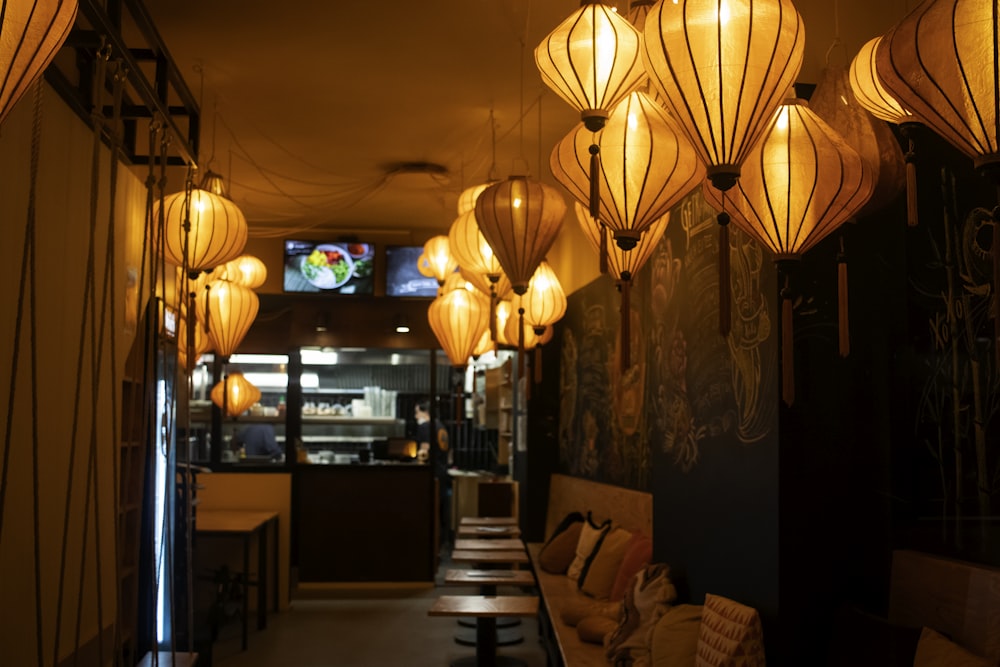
(495, 544)
(245, 524)
(488, 580)
(486, 609)
(487, 521)
(490, 556)
(489, 531)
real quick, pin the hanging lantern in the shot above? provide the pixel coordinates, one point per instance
(501, 287)
(647, 167)
(207, 223)
(722, 67)
(872, 95)
(467, 200)
(624, 264)
(227, 310)
(234, 394)
(637, 12)
(437, 259)
(201, 343)
(940, 62)
(470, 248)
(544, 302)
(592, 60)
(458, 319)
(245, 270)
(520, 219)
(32, 33)
(799, 184)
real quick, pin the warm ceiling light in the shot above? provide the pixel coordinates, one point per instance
(230, 309)
(467, 200)
(401, 323)
(470, 248)
(520, 219)
(458, 319)
(438, 259)
(207, 223)
(799, 184)
(647, 166)
(32, 34)
(623, 263)
(234, 394)
(544, 302)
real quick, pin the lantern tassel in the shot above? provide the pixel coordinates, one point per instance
(595, 181)
(626, 314)
(604, 248)
(208, 293)
(538, 364)
(911, 179)
(725, 305)
(844, 328)
(520, 342)
(787, 349)
(493, 316)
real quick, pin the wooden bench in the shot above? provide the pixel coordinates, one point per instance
(629, 509)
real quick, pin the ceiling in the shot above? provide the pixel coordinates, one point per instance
(370, 118)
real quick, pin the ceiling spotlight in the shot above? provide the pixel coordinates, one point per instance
(402, 324)
(321, 322)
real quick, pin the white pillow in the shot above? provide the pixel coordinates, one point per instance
(590, 539)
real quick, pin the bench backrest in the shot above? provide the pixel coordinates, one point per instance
(626, 508)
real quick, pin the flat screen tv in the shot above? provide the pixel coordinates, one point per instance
(402, 277)
(329, 267)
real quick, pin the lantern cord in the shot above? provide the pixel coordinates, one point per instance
(626, 334)
(844, 328)
(603, 231)
(520, 342)
(492, 176)
(912, 219)
(787, 349)
(725, 305)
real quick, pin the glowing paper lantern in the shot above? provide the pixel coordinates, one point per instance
(544, 302)
(520, 219)
(234, 394)
(437, 258)
(31, 33)
(228, 310)
(245, 270)
(459, 318)
(471, 249)
(216, 229)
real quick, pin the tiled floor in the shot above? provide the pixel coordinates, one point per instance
(390, 629)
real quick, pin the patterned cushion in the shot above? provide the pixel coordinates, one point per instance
(593, 629)
(646, 600)
(558, 552)
(591, 535)
(730, 635)
(605, 565)
(638, 554)
(936, 650)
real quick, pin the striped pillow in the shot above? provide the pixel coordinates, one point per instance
(730, 635)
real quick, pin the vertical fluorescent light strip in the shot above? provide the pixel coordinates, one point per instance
(160, 508)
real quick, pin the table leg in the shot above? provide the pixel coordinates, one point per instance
(486, 641)
(246, 589)
(262, 577)
(277, 568)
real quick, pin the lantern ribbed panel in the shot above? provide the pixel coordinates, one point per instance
(437, 254)
(30, 36)
(798, 185)
(623, 263)
(940, 62)
(544, 302)
(646, 167)
(637, 12)
(592, 59)
(470, 248)
(722, 80)
(503, 310)
(238, 393)
(245, 270)
(231, 311)
(458, 319)
(869, 91)
(218, 230)
(520, 219)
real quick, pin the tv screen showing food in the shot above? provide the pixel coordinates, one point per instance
(402, 277)
(336, 267)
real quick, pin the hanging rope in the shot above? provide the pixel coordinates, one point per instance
(844, 328)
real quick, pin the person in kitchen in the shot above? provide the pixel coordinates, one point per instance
(439, 457)
(258, 440)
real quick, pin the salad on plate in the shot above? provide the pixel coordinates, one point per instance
(328, 266)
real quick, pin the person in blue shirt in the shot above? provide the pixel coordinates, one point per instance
(258, 440)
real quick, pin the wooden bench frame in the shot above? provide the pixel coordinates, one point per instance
(629, 509)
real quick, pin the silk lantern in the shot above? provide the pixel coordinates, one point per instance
(437, 258)
(940, 62)
(31, 33)
(234, 394)
(592, 60)
(799, 184)
(245, 270)
(227, 310)
(520, 219)
(722, 68)
(203, 228)
(458, 319)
